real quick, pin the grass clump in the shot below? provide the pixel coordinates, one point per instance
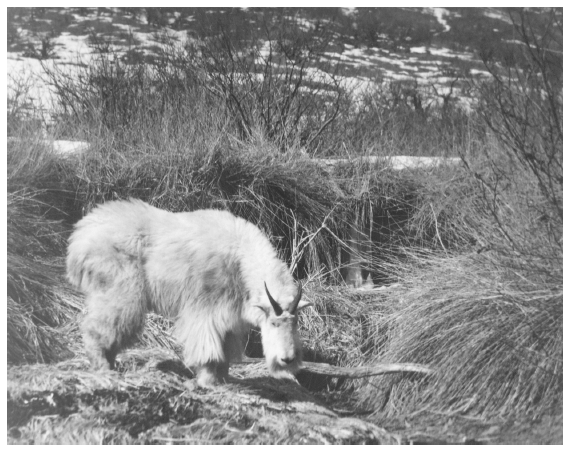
(169, 141)
(494, 340)
(394, 211)
(38, 300)
(286, 195)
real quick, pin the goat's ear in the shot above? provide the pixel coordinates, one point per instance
(303, 304)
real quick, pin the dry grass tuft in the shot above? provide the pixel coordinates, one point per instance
(285, 194)
(493, 338)
(38, 300)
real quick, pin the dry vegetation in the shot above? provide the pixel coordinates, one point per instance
(476, 253)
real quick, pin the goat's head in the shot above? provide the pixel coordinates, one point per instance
(279, 335)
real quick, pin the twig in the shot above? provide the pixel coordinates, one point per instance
(437, 229)
(296, 253)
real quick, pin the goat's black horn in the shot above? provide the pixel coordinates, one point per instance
(276, 307)
(295, 303)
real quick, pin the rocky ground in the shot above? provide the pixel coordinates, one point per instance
(153, 400)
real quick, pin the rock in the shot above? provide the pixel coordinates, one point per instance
(68, 404)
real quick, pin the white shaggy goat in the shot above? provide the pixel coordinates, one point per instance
(213, 273)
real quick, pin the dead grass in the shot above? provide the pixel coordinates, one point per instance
(493, 338)
(38, 301)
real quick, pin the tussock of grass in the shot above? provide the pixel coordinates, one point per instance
(489, 323)
(286, 195)
(38, 301)
(416, 208)
(398, 210)
(493, 338)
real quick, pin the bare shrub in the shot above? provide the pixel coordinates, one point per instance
(43, 49)
(272, 79)
(20, 106)
(521, 179)
(397, 118)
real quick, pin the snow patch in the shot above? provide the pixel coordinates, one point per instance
(348, 11)
(421, 49)
(61, 147)
(450, 53)
(69, 147)
(440, 14)
(494, 14)
(398, 162)
(24, 76)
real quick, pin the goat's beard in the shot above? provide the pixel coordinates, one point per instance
(280, 371)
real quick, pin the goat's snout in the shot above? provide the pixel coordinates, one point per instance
(287, 359)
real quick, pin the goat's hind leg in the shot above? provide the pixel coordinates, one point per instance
(100, 342)
(113, 322)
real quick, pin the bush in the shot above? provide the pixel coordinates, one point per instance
(271, 78)
(523, 106)
(397, 118)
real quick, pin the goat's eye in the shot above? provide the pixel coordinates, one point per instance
(275, 324)
(263, 310)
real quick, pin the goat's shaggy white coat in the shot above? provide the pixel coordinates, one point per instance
(205, 269)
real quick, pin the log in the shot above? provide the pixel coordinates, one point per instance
(363, 371)
(356, 372)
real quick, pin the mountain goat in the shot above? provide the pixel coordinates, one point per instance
(214, 274)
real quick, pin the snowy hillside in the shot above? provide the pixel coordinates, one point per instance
(436, 48)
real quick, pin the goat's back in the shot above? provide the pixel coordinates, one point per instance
(108, 234)
(172, 246)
